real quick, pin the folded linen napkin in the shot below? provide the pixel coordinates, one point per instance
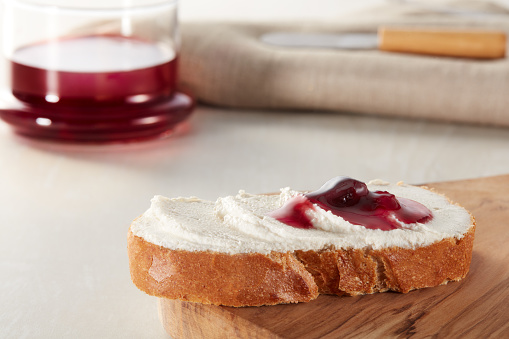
(226, 64)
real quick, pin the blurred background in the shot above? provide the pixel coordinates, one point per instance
(270, 10)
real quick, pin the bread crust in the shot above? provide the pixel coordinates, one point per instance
(250, 279)
(254, 279)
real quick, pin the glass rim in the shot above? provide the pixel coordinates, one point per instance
(65, 8)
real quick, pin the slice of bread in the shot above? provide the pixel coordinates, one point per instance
(231, 252)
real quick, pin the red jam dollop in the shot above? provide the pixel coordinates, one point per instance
(351, 200)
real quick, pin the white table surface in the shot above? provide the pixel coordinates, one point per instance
(65, 210)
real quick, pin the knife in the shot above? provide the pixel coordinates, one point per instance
(475, 44)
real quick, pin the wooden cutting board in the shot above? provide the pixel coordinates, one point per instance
(477, 307)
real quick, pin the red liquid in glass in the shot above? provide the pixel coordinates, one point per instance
(95, 88)
(351, 200)
(34, 85)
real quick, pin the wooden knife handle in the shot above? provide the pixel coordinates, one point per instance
(453, 43)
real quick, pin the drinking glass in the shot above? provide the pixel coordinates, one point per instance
(92, 71)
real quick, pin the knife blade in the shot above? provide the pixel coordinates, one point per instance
(341, 41)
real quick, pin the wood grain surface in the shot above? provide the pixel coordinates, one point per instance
(477, 307)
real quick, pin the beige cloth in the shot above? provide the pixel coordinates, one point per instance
(226, 64)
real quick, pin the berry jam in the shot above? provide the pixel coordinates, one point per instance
(351, 200)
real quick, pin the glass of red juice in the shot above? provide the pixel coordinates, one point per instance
(92, 71)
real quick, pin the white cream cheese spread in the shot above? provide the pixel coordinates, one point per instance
(240, 224)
